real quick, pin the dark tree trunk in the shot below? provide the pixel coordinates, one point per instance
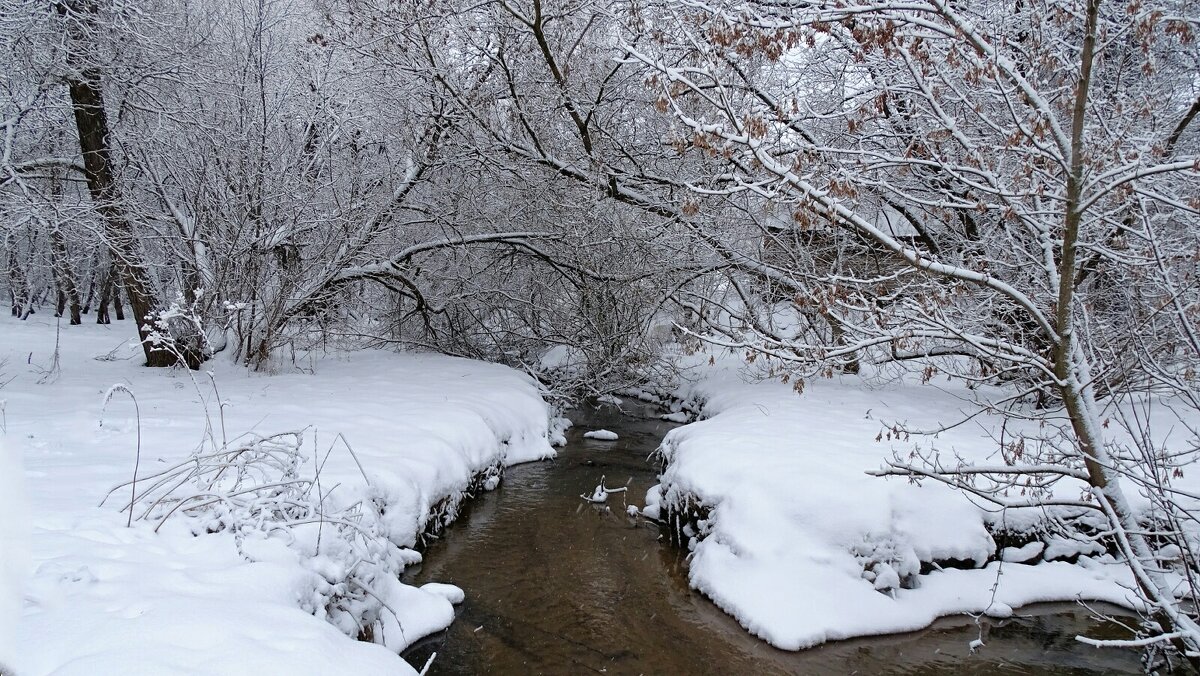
(95, 274)
(91, 121)
(64, 277)
(102, 302)
(60, 263)
(115, 295)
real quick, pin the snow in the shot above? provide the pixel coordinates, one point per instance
(653, 500)
(103, 598)
(14, 553)
(802, 546)
(1059, 547)
(449, 592)
(1023, 553)
(599, 496)
(601, 435)
(563, 358)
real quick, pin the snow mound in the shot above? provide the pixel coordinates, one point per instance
(601, 435)
(449, 592)
(791, 536)
(399, 435)
(653, 500)
(1023, 553)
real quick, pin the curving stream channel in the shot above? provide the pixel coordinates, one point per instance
(557, 586)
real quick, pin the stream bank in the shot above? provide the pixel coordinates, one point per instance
(555, 585)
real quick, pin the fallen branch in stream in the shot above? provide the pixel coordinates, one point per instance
(600, 495)
(428, 663)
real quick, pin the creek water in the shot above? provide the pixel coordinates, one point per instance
(555, 585)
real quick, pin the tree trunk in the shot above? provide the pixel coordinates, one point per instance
(64, 278)
(91, 121)
(114, 294)
(1075, 383)
(18, 285)
(60, 262)
(91, 285)
(105, 291)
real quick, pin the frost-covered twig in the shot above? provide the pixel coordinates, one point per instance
(1133, 642)
(256, 488)
(137, 460)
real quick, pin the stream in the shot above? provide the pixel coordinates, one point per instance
(555, 585)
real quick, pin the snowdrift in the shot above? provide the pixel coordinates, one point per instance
(791, 536)
(104, 598)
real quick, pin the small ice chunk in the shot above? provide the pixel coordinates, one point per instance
(601, 435)
(449, 592)
(490, 483)
(632, 510)
(676, 417)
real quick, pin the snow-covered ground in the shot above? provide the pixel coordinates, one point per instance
(101, 598)
(802, 546)
(14, 549)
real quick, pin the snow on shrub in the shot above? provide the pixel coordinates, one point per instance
(267, 492)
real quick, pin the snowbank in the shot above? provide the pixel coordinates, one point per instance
(797, 542)
(103, 598)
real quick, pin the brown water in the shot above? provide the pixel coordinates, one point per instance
(558, 586)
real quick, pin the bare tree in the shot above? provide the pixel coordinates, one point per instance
(84, 83)
(1022, 170)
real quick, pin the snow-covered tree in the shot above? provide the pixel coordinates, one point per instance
(1004, 191)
